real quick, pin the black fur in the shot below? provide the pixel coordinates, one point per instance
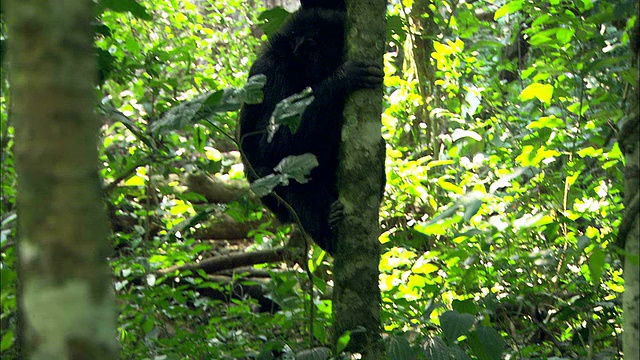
(306, 51)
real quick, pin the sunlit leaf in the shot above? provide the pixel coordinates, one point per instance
(449, 186)
(578, 108)
(434, 227)
(542, 92)
(533, 156)
(151, 279)
(343, 341)
(135, 180)
(424, 268)
(528, 221)
(508, 8)
(564, 35)
(590, 152)
(460, 133)
(550, 122)
(131, 6)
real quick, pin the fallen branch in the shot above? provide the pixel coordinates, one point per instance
(218, 191)
(232, 261)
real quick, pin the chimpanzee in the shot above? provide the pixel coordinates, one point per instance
(307, 51)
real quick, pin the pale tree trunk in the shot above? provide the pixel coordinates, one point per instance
(65, 301)
(356, 300)
(629, 232)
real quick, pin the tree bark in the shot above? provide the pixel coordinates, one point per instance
(356, 301)
(65, 300)
(421, 46)
(629, 232)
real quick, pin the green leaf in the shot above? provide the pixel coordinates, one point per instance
(508, 8)
(437, 226)
(550, 122)
(253, 89)
(565, 35)
(542, 92)
(343, 341)
(320, 332)
(578, 108)
(399, 349)
(272, 20)
(7, 340)
(289, 112)
(436, 349)
(459, 134)
(205, 105)
(486, 343)
(147, 326)
(136, 180)
(396, 29)
(590, 152)
(467, 306)
(449, 186)
(533, 156)
(297, 167)
(455, 324)
(528, 221)
(457, 353)
(543, 37)
(597, 264)
(471, 206)
(588, 4)
(7, 279)
(265, 185)
(122, 6)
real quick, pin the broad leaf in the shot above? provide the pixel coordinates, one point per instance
(436, 349)
(297, 167)
(455, 324)
(486, 343)
(289, 112)
(542, 92)
(206, 105)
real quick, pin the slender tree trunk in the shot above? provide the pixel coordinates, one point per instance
(356, 301)
(65, 301)
(629, 232)
(424, 30)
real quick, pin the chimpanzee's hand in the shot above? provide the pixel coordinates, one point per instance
(360, 75)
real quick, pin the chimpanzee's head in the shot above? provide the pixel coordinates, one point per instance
(325, 4)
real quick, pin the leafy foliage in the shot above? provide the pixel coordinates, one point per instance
(209, 104)
(292, 167)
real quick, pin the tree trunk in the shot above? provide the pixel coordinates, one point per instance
(421, 38)
(629, 232)
(356, 301)
(65, 300)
